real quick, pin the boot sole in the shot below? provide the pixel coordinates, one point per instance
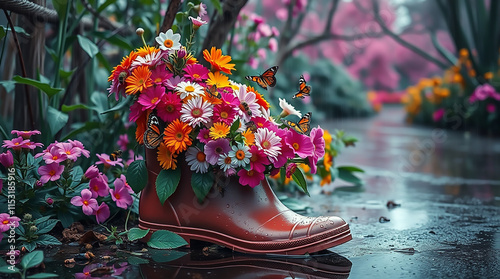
(300, 246)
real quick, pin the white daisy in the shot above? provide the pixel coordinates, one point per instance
(248, 107)
(187, 88)
(169, 40)
(240, 155)
(149, 59)
(225, 162)
(197, 160)
(269, 142)
(196, 111)
(288, 109)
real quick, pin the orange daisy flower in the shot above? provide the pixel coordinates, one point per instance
(218, 80)
(218, 61)
(124, 65)
(143, 51)
(219, 130)
(176, 136)
(248, 137)
(166, 157)
(207, 97)
(259, 98)
(139, 80)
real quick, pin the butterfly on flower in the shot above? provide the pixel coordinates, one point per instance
(266, 79)
(154, 132)
(212, 91)
(304, 89)
(115, 155)
(301, 127)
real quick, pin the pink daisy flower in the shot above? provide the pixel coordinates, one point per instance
(251, 178)
(136, 112)
(173, 81)
(80, 146)
(224, 113)
(25, 134)
(196, 72)
(230, 99)
(262, 122)
(169, 108)
(151, 97)
(104, 159)
(301, 144)
(88, 204)
(7, 221)
(123, 141)
(269, 142)
(16, 143)
(6, 159)
(197, 160)
(102, 213)
(249, 99)
(204, 135)
(215, 148)
(120, 194)
(54, 156)
(196, 112)
(160, 75)
(50, 172)
(319, 148)
(72, 152)
(286, 151)
(99, 186)
(258, 160)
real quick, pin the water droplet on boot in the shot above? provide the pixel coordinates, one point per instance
(227, 205)
(322, 226)
(246, 232)
(232, 211)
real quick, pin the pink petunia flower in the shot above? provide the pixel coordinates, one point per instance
(124, 179)
(102, 213)
(72, 152)
(99, 186)
(438, 114)
(133, 157)
(490, 108)
(50, 172)
(196, 72)
(32, 145)
(16, 143)
(301, 144)
(77, 144)
(169, 108)
(251, 178)
(215, 148)
(91, 172)
(25, 134)
(106, 160)
(54, 155)
(7, 221)
(120, 194)
(319, 148)
(6, 159)
(151, 97)
(88, 204)
(123, 141)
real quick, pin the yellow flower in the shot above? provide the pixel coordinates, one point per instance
(218, 80)
(328, 161)
(218, 61)
(326, 180)
(328, 137)
(219, 130)
(248, 137)
(145, 50)
(166, 157)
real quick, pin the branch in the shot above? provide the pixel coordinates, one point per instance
(105, 22)
(168, 20)
(444, 52)
(403, 42)
(329, 19)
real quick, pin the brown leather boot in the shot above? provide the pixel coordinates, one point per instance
(245, 219)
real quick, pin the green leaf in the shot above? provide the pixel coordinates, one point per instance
(100, 100)
(2, 32)
(56, 119)
(76, 175)
(136, 233)
(86, 127)
(88, 46)
(60, 7)
(163, 256)
(47, 239)
(217, 5)
(45, 87)
(32, 259)
(235, 126)
(166, 183)
(137, 175)
(9, 269)
(119, 106)
(166, 240)
(42, 275)
(201, 184)
(350, 168)
(46, 226)
(41, 219)
(30, 246)
(65, 217)
(298, 177)
(348, 176)
(66, 108)
(133, 260)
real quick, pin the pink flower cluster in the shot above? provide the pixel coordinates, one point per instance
(483, 92)
(22, 141)
(7, 222)
(57, 153)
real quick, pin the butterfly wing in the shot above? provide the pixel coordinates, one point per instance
(258, 80)
(266, 79)
(153, 135)
(213, 92)
(301, 127)
(304, 89)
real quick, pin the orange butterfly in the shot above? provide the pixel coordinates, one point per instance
(304, 89)
(301, 127)
(266, 79)
(213, 92)
(154, 133)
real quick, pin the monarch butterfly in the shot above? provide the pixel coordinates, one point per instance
(115, 155)
(212, 91)
(301, 127)
(304, 89)
(266, 79)
(154, 133)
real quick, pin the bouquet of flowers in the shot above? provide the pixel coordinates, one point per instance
(182, 107)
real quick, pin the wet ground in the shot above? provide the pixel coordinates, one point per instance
(444, 188)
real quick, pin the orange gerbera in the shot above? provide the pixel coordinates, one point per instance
(124, 65)
(218, 61)
(248, 137)
(139, 80)
(212, 99)
(259, 98)
(141, 128)
(166, 157)
(143, 51)
(328, 161)
(218, 80)
(219, 130)
(176, 136)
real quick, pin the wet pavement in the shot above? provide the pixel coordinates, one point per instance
(429, 208)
